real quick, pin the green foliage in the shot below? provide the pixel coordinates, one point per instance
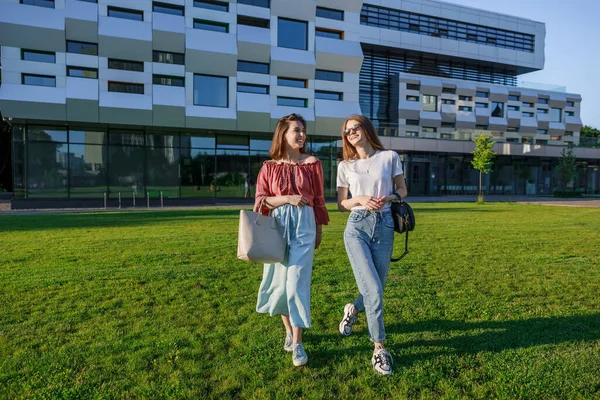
(566, 194)
(566, 168)
(154, 305)
(483, 157)
(589, 131)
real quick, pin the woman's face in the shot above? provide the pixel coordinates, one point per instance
(295, 136)
(354, 132)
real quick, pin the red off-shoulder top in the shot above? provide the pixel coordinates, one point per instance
(283, 179)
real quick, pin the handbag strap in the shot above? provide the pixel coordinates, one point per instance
(394, 259)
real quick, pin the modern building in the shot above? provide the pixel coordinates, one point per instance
(180, 97)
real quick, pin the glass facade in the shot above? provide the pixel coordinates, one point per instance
(78, 162)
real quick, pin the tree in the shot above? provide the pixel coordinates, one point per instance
(566, 168)
(588, 131)
(483, 157)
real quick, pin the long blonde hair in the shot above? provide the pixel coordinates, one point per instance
(349, 151)
(277, 151)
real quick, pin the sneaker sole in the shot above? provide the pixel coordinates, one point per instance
(288, 348)
(299, 363)
(382, 373)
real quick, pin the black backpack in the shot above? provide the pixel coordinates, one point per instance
(404, 221)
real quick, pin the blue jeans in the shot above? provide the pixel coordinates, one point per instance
(369, 240)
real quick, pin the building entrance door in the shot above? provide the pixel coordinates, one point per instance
(418, 179)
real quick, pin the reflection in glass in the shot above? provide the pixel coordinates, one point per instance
(126, 171)
(198, 142)
(87, 137)
(210, 91)
(127, 138)
(197, 172)
(42, 134)
(162, 172)
(47, 170)
(87, 170)
(18, 170)
(497, 109)
(292, 34)
(232, 167)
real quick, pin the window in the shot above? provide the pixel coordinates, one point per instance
(497, 109)
(448, 124)
(527, 114)
(82, 72)
(449, 90)
(39, 56)
(292, 102)
(483, 127)
(251, 66)
(412, 134)
(166, 8)
(465, 98)
(569, 113)
(568, 133)
(555, 137)
(412, 122)
(125, 13)
(513, 108)
(168, 58)
(252, 21)
(211, 91)
(465, 108)
(412, 98)
(542, 131)
(413, 86)
(82, 48)
(526, 140)
(542, 111)
(512, 140)
(292, 34)
(512, 129)
(39, 3)
(481, 105)
(38, 80)
(211, 26)
(556, 115)
(330, 13)
(333, 76)
(125, 87)
(329, 33)
(526, 104)
(252, 88)
(514, 97)
(542, 101)
(448, 101)
(168, 80)
(212, 5)
(125, 65)
(428, 129)
(429, 102)
(293, 82)
(485, 95)
(326, 95)
(256, 3)
(570, 104)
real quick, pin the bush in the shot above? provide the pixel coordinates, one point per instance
(566, 193)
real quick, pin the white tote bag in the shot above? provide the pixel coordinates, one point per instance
(260, 238)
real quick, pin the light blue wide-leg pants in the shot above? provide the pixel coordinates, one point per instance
(285, 286)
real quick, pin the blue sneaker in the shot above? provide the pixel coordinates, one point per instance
(288, 344)
(299, 356)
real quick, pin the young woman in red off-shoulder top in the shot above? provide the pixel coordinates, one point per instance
(290, 186)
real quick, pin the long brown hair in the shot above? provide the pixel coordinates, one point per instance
(277, 151)
(349, 151)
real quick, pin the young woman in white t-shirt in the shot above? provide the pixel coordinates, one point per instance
(371, 175)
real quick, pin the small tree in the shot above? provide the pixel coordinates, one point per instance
(567, 167)
(483, 155)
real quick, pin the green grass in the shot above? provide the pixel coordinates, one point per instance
(493, 301)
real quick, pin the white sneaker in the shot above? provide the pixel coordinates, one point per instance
(382, 362)
(288, 344)
(299, 356)
(348, 321)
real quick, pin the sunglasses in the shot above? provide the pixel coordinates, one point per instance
(353, 129)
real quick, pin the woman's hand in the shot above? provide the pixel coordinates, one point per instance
(388, 199)
(369, 202)
(297, 200)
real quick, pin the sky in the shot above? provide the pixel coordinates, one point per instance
(572, 45)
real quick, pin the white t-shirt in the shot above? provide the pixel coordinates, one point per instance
(372, 177)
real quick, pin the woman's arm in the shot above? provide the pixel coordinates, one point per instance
(276, 201)
(346, 204)
(400, 185)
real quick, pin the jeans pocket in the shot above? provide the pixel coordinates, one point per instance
(355, 217)
(388, 221)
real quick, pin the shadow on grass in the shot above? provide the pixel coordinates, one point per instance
(34, 222)
(464, 338)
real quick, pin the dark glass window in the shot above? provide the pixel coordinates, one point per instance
(257, 3)
(125, 13)
(126, 65)
(82, 72)
(46, 134)
(429, 102)
(47, 170)
(465, 98)
(292, 102)
(542, 131)
(330, 13)
(569, 113)
(412, 122)
(448, 124)
(413, 86)
(168, 58)
(292, 34)
(465, 108)
(570, 104)
(168, 80)
(166, 8)
(88, 164)
(449, 90)
(212, 91)
(252, 88)
(527, 114)
(39, 56)
(556, 115)
(448, 101)
(39, 3)
(326, 95)
(82, 48)
(526, 104)
(251, 66)
(542, 101)
(412, 98)
(38, 80)
(125, 87)
(211, 26)
(513, 108)
(293, 82)
(514, 97)
(542, 111)
(481, 105)
(329, 33)
(512, 129)
(497, 109)
(485, 95)
(333, 76)
(252, 21)
(212, 5)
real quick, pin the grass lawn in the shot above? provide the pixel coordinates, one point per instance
(494, 301)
